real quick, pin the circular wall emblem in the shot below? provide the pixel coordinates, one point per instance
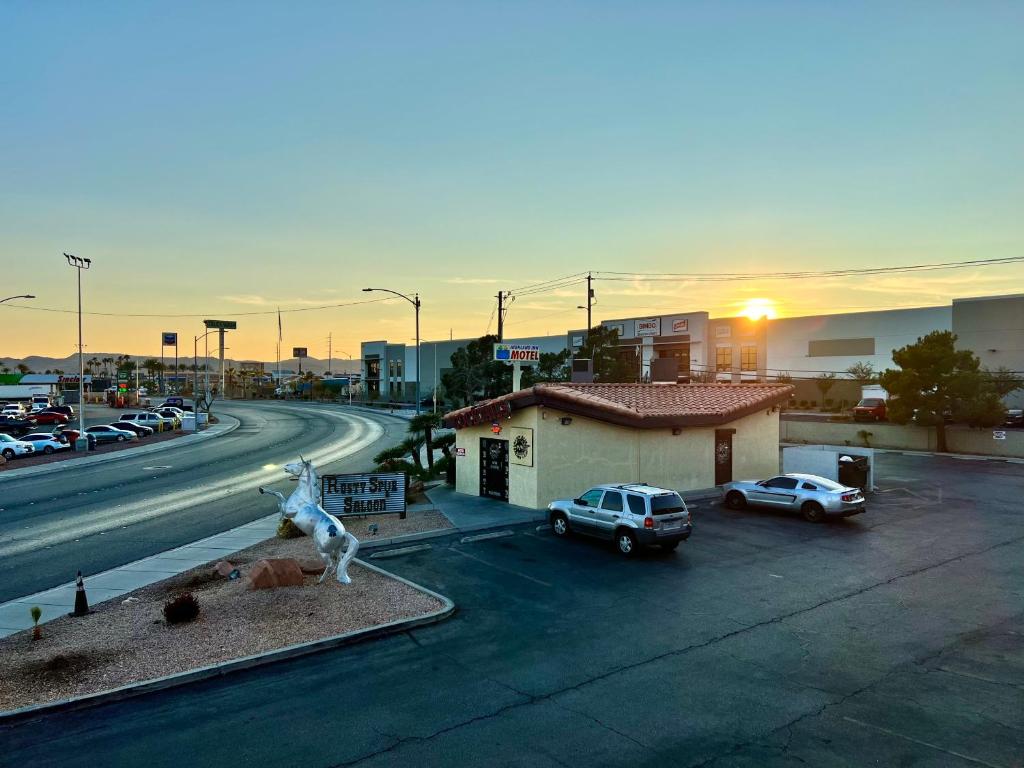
(521, 447)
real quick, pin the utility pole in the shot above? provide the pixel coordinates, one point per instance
(502, 295)
(590, 300)
(330, 355)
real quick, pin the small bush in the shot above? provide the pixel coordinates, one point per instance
(181, 609)
(286, 529)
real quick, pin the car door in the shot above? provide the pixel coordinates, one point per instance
(778, 492)
(609, 513)
(584, 510)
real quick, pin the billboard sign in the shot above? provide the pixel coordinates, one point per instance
(299, 352)
(169, 338)
(224, 325)
(517, 353)
(376, 493)
(649, 327)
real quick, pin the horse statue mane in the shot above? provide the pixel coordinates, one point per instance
(334, 545)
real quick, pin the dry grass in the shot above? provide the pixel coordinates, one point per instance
(123, 643)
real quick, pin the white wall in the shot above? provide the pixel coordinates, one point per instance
(788, 337)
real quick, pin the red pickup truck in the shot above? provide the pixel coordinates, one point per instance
(869, 409)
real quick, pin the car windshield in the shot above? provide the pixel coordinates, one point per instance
(870, 402)
(667, 504)
(6, 439)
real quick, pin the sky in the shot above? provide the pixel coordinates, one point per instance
(222, 158)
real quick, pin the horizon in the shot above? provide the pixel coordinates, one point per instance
(458, 150)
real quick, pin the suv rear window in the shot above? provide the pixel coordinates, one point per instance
(667, 504)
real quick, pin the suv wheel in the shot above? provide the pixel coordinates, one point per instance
(121, 438)
(626, 542)
(8, 453)
(48, 449)
(560, 524)
(813, 512)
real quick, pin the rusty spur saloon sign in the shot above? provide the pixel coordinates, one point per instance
(482, 414)
(378, 493)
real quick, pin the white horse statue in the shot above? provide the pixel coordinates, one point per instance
(304, 510)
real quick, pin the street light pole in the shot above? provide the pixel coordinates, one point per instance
(23, 296)
(82, 443)
(415, 301)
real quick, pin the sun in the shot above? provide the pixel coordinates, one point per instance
(759, 308)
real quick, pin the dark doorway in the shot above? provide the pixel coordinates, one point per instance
(494, 468)
(723, 455)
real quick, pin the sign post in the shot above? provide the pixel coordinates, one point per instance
(220, 326)
(168, 339)
(517, 355)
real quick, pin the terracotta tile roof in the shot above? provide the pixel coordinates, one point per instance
(641, 405)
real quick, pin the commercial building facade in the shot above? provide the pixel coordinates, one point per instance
(556, 440)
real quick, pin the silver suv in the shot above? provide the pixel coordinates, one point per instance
(633, 515)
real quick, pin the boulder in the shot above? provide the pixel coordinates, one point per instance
(270, 574)
(312, 566)
(223, 568)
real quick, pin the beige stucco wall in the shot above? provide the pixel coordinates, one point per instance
(959, 439)
(568, 459)
(522, 481)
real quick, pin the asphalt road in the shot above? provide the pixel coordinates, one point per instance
(96, 518)
(891, 638)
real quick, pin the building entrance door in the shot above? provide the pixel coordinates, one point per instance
(723, 455)
(494, 468)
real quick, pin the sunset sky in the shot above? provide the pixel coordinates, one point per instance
(224, 158)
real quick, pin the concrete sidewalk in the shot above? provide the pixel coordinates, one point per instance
(229, 424)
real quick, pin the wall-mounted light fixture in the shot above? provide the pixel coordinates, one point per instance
(566, 421)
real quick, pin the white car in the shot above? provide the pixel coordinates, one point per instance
(13, 409)
(37, 407)
(46, 443)
(149, 419)
(9, 447)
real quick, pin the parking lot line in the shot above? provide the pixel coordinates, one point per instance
(500, 568)
(911, 739)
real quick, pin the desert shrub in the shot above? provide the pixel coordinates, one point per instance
(286, 529)
(181, 609)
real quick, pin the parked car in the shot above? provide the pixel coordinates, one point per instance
(814, 497)
(13, 409)
(131, 426)
(71, 437)
(634, 515)
(15, 425)
(67, 410)
(1014, 418)
(45, 442)
(105, 433)
(38, 406)
(173, 402)
(49, 417)
(173, 414)
(9, 447)
(148, 419)
(869, 409)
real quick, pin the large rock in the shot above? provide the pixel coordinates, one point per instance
(270, 574)
(312, 566)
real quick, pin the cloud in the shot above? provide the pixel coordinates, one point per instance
(473, 281)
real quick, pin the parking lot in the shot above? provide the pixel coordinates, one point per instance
(94, 415)
(890, 638)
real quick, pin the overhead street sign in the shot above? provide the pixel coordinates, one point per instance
(227, 325)
(299, 352)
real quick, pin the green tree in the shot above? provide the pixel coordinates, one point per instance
(553, 366)
(475, 374)
(1002, 381)
(935, 378)
(422, 427)
(824, 383)
(862, 372)
(612, 363)
(23, 369)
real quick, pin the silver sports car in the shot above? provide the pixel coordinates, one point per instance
(814, 497)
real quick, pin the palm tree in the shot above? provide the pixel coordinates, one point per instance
(422, 427)
(23, 369)
(107, 362)
(412, 446)
(94, 364)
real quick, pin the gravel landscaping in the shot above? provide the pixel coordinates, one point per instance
(127, 640)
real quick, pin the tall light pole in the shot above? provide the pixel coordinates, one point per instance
(82, 443)
(23, 296)
(415, 301)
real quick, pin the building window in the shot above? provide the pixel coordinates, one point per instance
(723, 359)
(748, 358)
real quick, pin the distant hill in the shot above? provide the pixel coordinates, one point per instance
(69, 364)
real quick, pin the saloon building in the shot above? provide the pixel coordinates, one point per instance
(554, 441)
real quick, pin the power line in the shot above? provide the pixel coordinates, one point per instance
(204, 314)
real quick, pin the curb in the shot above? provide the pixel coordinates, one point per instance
(130, 453)
(246, 662)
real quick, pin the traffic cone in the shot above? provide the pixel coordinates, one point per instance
(81, 601)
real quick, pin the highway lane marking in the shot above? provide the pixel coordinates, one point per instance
(364, 433)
